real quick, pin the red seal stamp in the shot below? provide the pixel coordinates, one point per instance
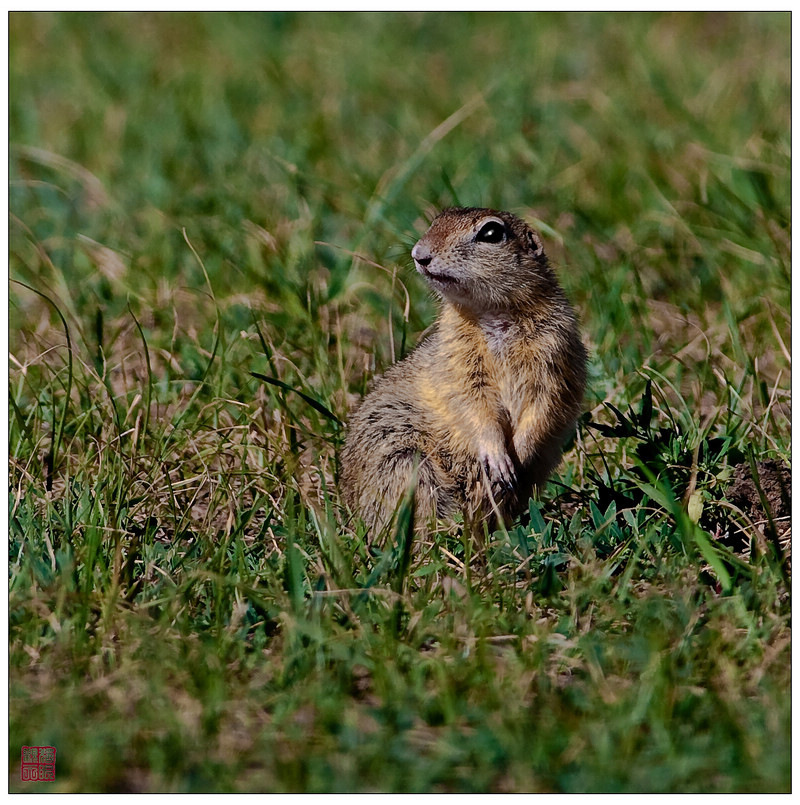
(38, 764)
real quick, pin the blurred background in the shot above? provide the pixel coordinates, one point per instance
(653, 149)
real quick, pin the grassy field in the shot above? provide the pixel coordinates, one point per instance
(199, 202)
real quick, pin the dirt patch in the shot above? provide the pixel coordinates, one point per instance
(775, 480)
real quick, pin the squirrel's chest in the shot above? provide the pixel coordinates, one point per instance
(509, 360)
(487, 367)
(515, 389)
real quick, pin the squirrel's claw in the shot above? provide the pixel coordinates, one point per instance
(501, 473)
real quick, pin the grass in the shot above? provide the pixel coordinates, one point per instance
(211, 219)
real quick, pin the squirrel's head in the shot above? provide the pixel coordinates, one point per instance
(484, 260)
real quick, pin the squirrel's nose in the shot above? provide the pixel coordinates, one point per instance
(421, 255)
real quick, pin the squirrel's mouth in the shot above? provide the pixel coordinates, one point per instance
(444, 279)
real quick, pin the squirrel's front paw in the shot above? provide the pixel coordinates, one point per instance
(500, 471)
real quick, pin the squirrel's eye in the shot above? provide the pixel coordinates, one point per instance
(493, 232)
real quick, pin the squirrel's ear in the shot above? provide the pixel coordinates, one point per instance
(534, 243)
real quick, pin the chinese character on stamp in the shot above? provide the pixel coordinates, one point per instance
(38, 764)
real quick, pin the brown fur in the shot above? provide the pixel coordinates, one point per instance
(475, 416)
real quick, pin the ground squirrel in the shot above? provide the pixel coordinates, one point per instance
(477, 413)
